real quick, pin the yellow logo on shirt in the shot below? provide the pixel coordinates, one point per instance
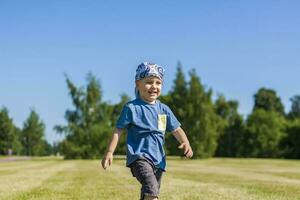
(162, 122)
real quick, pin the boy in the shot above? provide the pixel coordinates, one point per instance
(146, 120)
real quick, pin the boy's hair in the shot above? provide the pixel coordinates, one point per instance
(147, 69)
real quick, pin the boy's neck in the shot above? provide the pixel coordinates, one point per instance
(153, 102)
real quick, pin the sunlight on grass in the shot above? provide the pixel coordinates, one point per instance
(210, 179)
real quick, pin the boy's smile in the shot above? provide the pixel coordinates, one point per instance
(149, 88)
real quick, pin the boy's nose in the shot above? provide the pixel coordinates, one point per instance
(152, 85)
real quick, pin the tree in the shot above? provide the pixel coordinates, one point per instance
(192, 105)
(9, 134)
(295, 108)
(267, 99)
(32, 136)
(176, 101)
(201, 121)
(290, 144)
(265, 130)
(232, 128)
(89, 124)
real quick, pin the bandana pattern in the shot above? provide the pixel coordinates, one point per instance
(148, 69)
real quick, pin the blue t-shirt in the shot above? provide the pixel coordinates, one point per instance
(146, 125)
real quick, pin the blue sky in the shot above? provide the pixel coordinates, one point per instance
(235, 46)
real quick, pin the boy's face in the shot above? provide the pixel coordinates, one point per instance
(149, 88)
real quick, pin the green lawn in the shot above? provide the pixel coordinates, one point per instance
(210, 179)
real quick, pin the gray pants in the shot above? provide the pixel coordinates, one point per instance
(148, 175)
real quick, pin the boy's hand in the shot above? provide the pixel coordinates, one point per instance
(107, 160)
(188, 152)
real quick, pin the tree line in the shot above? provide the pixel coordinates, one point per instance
(214, 127)
(29, 140)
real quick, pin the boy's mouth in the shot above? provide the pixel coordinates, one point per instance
(152, 92)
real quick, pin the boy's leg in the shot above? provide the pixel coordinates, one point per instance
(145, 174)
(158, 175)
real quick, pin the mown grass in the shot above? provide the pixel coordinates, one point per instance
(210, 179)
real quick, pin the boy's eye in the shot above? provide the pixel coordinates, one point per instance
(156, 82)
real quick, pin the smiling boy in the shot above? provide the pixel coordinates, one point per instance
(146, 120)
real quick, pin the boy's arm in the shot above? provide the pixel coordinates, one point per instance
(180, 135)
(108, 156)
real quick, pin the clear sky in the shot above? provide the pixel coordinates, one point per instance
(235, 46)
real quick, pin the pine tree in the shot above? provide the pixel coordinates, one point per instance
(176, 101)
(32, 136)
(9, 134)
(200, 120)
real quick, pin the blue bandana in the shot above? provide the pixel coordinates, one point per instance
(148, 69)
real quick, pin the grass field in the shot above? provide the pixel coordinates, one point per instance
(211, 179)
